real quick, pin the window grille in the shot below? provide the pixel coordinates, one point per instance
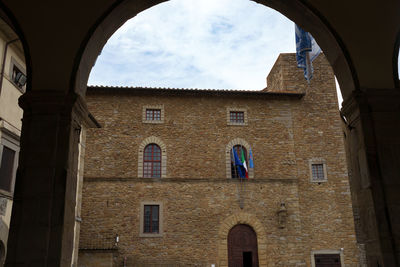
(153, 114)
(152, 161)
(151, 219)
(236, 116)
(318, 171)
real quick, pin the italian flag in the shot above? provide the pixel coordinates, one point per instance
(244, 164)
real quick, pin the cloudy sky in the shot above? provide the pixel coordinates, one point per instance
(220, 44)
(227, 44)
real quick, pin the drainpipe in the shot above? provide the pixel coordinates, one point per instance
(4, 62)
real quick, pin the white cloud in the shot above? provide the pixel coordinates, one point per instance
(196, 43)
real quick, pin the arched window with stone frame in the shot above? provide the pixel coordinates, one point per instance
(152, 158)
(152, 161)
(239, 145)
(240, 150)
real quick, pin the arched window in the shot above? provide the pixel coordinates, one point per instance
(152, 161)
(237, 170)
(152, 158)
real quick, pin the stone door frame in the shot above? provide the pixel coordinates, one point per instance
(233, 220)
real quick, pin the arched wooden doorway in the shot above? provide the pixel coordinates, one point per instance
(242, 247)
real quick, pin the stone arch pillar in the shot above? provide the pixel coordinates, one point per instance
(45, 197)
(241, 218)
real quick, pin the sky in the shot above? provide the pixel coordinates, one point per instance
(218, 44)
(221, 44)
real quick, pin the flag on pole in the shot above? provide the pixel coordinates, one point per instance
(239, 165)
(244, 163)
(251, 164)
(307, 50)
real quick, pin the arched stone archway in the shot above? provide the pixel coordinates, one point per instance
(226, 226)
(380, 130)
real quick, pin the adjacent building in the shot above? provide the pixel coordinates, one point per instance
(162, 183)
(12, 86)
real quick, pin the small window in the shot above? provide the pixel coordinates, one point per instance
(151, 219)
(318, 171)
(153, 114)
(236, 116)
(323, 260)
(7, 166)
(242, 170)
(18, 77)
(152, 161)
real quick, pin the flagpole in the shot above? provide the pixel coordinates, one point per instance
(242, 184)
(236, 175)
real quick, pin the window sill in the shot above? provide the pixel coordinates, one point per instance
(237, 123)
(319, 181)
(21, 89)
(153, 122)
(150, 235)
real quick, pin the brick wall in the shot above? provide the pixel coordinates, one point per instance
(284, 132)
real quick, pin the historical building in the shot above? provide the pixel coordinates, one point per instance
(161, 184)
(61, 41)
(12, 86)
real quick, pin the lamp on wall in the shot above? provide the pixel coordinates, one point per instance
(116, 240)
(282, 214)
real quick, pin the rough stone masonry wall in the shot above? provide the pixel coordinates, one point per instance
(325, 209)
(195, 132)
(193, 214)
(197, 198)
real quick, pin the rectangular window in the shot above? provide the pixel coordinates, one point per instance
(153, 114)
(18, 77)
(327, 260)
(236, 116)
(318, 171)
(151, 219)
(7, 168)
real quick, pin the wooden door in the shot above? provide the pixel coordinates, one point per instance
(327, 260)
(242, 247)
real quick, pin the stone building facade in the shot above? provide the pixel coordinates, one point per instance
(296, 204)
(12, 86)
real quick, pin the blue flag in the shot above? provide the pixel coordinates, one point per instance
(307, 50)
(251, 164)
(238, 165)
